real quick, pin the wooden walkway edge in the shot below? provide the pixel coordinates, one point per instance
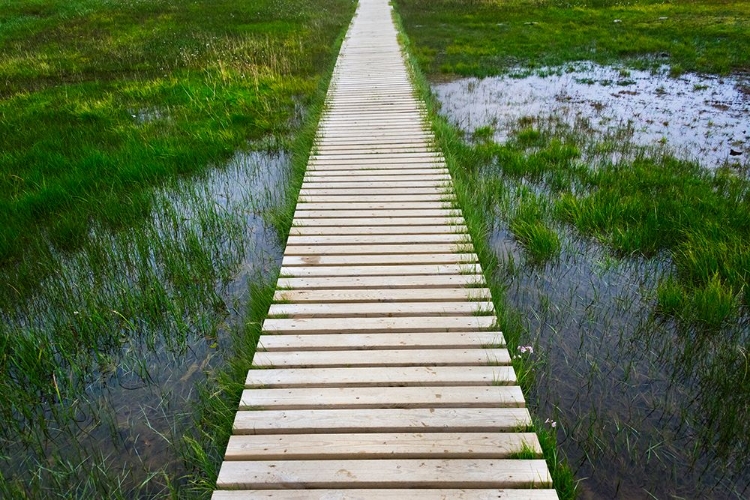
(380, 373)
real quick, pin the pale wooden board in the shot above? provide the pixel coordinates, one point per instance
(373, 325)
(357, 156)
(380, 445)
(374, 341)
(382, 295)
(386, 176)
(380, 239)
(387, 494)
(373, 270)
(323, 230)
(381, 215)
(443, 376)
(309, 203)
(326, 219)
(403, 473)
(381, 357)
(463, 259)
(446, 281)
(324, 421)
(391, 309)
(375, 163)
(374, 249)
(371, 188)
(495, 396)
(437, 198)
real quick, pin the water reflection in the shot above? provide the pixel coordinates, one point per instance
(150, 311)
(697, 116)
(646, 407)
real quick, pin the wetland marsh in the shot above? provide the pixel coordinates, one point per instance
(149, 155)
(606, 184)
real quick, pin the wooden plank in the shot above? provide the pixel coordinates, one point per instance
(381, 357)
(321, 230)
(370, 341)
(382, 215)
(464, 259)
(374, 270)
(391, 309)
(380, 445)
(321, 421)
(374, 249)
(378, 174)
(404, 473)
(370, 188)
(496, 396)
(437, 198)
(309, 203)
(379, 282)
(326, 219)
(386, 494)
(380, 239)
(374, 325)
(443, 376)
(382, 295)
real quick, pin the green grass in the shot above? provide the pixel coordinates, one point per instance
(489, 37)
(102, 99)
(114, 298)
(477, 195)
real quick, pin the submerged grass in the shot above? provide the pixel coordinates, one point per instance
(114, 300)
(470, 188)
(490, 37)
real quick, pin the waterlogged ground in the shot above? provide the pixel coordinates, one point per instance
(161, 302)
(644, 407)
(697, 117)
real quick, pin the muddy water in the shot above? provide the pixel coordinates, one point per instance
(136, 403)
(697, 117)
(644, 408)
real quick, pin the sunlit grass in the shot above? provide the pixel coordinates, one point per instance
(490, 37)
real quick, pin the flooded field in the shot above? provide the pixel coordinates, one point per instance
(695, 117)
(645, 406)
(111, 350)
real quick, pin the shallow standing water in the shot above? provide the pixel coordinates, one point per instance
(642, 406)
(697, 117)
(128, 408)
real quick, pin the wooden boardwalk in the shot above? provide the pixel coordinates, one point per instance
(380, 372)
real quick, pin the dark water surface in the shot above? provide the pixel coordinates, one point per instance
(131, 409)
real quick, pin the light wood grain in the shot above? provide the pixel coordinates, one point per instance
(404, 473)
(380, 445)
(390, 309)
(379, 282)
(444, 376)
(317, 421)
(387, 494)
(397, 340)
(381, 357)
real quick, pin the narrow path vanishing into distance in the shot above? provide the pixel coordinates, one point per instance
(380, 372)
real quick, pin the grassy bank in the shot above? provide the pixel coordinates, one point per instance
(489, 37)
(102, 99)
(124, 229)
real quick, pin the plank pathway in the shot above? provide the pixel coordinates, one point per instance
(380, 373)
